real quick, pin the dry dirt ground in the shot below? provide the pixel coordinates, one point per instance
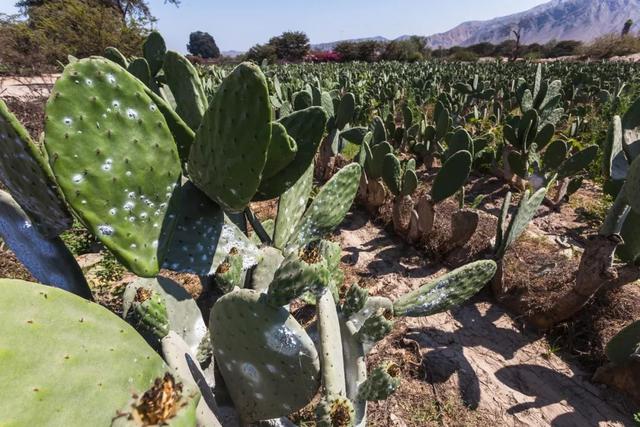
(472, 365)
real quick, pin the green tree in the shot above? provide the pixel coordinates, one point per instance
(59, 28)
(203, 45)
(127, 9)
(260, 52)
(627, 27)
(291, 46)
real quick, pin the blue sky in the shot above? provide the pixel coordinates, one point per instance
(239, 24)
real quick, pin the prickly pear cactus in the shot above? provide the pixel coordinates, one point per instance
(282, 151)
(452, 176)
(230, 150)
(269, 363)
(329, 207)
(291, 206)
(113, 54)
(154, 50)
(59, 352)
(161, 305)
(381, 384)
(105, 136)
(22, 171)
(447, 291)
(354, 300)
(297, 275)
(306, 127)
(186, 88)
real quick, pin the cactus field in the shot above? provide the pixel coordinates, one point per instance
(333, 245)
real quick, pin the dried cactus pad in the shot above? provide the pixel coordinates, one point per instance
(447, 291)
(22, 171)
(230, 150)
(75, 366)
(115, 160)
(204, 237)
(269, 363)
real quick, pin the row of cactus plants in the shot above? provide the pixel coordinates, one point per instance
(163, 175)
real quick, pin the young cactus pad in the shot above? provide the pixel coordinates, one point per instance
(329, 207)
(447, 291)
(75, 366)
(22, 171)
(306, 127)
(115, 160)
(230, 150)
(269, 363)
(182, 313)
(48, 260)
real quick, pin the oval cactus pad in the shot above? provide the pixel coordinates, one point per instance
(269, 363)
(230, 150)
(75, 366)
(115, 160)
(22, 172)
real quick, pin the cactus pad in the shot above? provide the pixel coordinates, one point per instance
(298, 275)
(354, 300)
(271, 259)
(526, 211)
(392, 173)
(115, 160)
(282, 151)
(204, 237)
(269, 363)
(291, 207)
(154, 49)
(48, 260)
(71, 367)
(447, 291)
(176, 306)
(22, 171)
(230, 150)
(452, 176)
(186, 87)
(329, 207)
(381, 384)
(306, 127)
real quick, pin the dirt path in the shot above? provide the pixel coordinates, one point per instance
(27, 88)
(511, 376)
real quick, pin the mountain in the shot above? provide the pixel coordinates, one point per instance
(582, 20)
(325, 47)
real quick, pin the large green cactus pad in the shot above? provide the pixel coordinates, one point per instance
(306, 127)
(291, 207)
(115, 160)
(22, 171)
(520, 221)
(186, 87)
(632, 186)
(48, 260)
(452, 176)
(446, 292)
(230, 150)
(75, 366)
(329, 207)
(269, 363)
(204, 237)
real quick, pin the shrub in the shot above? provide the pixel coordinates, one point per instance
(612, 45)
